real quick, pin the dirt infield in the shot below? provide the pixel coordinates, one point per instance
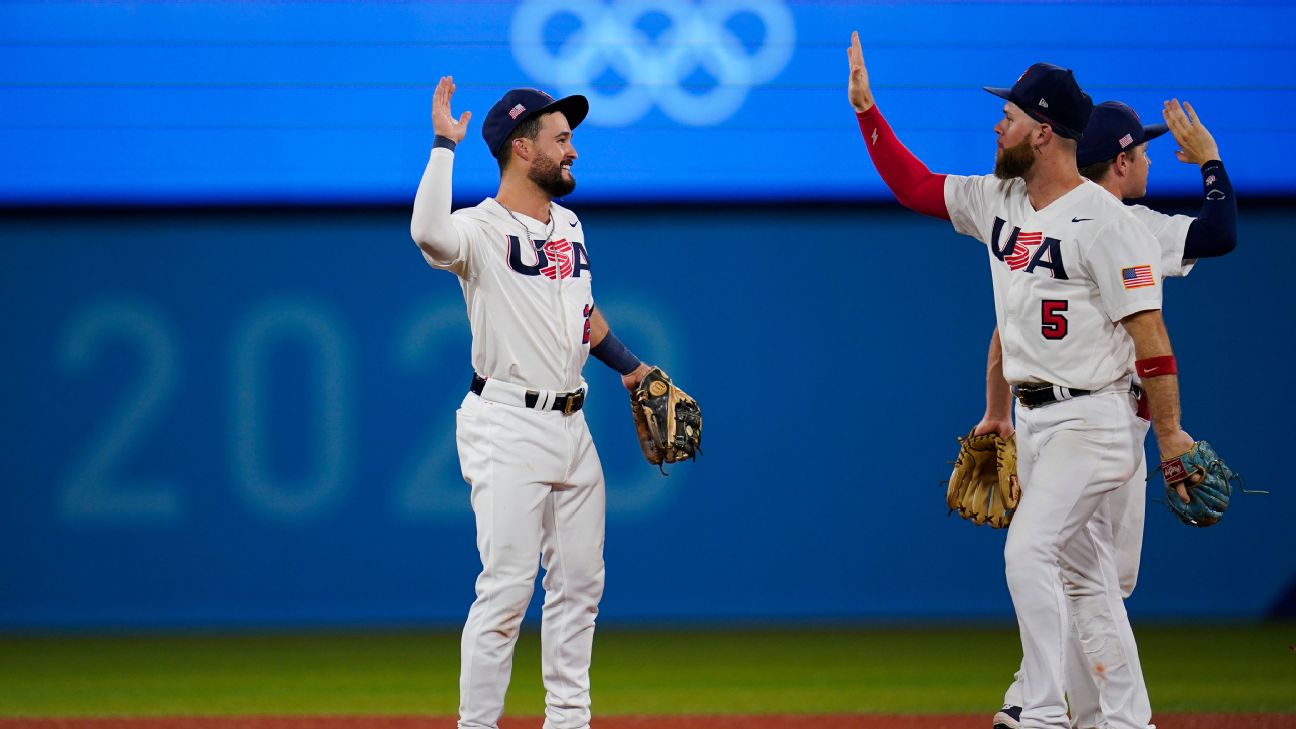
(802, 721)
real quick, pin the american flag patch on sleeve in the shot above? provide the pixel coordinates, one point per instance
(1137, 277)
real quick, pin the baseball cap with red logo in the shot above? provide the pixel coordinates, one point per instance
(1113, 128)
(1050, 95)
(518, 105)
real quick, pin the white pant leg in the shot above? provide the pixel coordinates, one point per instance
(1075, 453)
(1128, 508)
(1013, 696)
(509, 456)
(572, 556)
(1081, 689)
(1105, 678)
(1125, 509)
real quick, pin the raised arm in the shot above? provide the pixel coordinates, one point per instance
(914, 186)
(431, 226)
(1214, 231)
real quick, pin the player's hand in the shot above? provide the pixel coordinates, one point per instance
(1001, 427)
(443, 122)
(632, 380)
(1196, 145)
(858, 90)
(1174, 445)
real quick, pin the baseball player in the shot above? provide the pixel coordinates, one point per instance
(524, 447)
(1113, 153)
(1077, 292)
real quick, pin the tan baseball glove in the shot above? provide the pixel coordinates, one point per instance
(667, 420)
(982, 487)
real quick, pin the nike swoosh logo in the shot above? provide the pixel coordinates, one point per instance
(1080, 220)
(1151, 370)
(572, 225)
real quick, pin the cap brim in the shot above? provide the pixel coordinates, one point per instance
(1152, 131)
(574, 107)
(1005, 94)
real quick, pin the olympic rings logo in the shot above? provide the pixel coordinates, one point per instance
(614, 59)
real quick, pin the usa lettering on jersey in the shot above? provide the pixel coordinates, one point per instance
(555, 259)
(1027, 250)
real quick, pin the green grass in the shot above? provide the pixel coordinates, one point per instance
(1229, 668)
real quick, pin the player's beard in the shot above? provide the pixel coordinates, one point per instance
(547, 174)
(1016, 161)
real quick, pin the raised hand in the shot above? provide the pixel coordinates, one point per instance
(858, 91)
(1196, 145)
(443, 122)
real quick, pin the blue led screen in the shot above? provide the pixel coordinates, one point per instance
(293, 102)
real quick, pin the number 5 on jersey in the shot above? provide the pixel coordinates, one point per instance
(1053, 325)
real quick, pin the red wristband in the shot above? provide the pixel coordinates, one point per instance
(1156, 366)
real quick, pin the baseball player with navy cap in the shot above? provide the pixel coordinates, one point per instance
(537, 488)
(1113, 153)
(1076, 281)
(1049, 95)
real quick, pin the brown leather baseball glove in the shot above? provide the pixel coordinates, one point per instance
(667, 420)
(981, 487)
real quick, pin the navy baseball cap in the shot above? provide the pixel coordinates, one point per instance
(1113, 128)
(1049, 94)
(518, 105)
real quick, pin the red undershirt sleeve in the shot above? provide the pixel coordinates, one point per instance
(914, 186)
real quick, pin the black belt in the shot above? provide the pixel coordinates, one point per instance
(566, 403)
(1035, 395)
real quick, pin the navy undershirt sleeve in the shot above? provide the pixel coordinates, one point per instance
(611, 352)
(1214, 232)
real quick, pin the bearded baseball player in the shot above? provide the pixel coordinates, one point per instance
(1076, 282)
(1113, 153)
(524, 447)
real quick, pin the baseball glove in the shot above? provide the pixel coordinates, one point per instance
(1208, 497)
(667, 420)
(981, 486)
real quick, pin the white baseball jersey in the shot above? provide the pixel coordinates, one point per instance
(1171, 232)
(526, 284)
(1063, 277)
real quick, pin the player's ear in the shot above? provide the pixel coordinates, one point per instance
(1044, 134)
(522, 148)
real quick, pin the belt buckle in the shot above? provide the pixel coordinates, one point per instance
(1024, 391)
(574, 401)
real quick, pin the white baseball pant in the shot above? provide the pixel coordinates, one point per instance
(537, 491)
(1071, 456)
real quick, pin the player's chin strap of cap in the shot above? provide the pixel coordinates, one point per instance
(509, 394)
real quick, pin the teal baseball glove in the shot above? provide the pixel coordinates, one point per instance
(1208, 496)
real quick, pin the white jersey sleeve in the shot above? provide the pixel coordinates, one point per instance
(969, 201)
(446, 242)
(1171, 233)
(1124, 261)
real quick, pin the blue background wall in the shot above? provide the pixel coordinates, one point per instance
(244, 415)
(246, 418)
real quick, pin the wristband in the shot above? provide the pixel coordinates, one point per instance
(611, 352)
(444, 143)
(1156, 366)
